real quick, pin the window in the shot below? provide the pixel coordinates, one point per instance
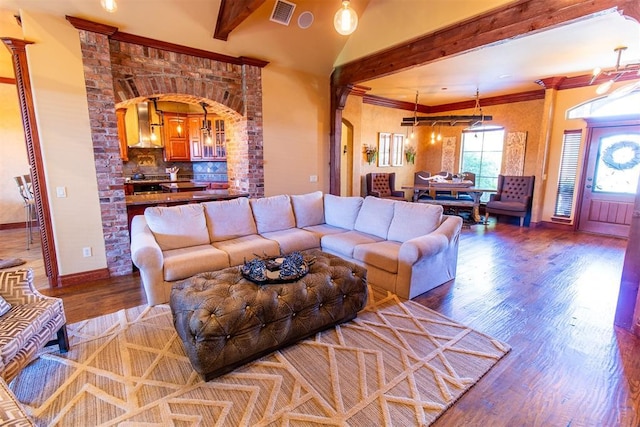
(604, 107)
(482, 155)
(397, 155)
(384, 148)
(568, 172)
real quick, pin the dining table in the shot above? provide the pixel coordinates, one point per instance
(430, 189)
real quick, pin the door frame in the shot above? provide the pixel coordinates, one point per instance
(594, 123)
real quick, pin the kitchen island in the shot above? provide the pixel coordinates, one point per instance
(137, 203)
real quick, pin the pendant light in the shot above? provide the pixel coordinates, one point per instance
(109, 5)
(346, 20)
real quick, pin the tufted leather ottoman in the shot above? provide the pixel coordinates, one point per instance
(225, 320)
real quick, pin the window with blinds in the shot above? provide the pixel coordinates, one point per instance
(568, 173)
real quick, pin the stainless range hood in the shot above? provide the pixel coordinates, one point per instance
(148, 136)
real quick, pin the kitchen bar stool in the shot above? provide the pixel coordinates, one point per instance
(26, 192)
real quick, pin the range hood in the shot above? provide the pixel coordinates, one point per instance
(148, 136)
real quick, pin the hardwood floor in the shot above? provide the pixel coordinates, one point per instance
(550, 295)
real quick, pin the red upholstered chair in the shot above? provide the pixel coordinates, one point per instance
(513, 197)
(383, 185)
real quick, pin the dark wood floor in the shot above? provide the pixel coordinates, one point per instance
(550, 295)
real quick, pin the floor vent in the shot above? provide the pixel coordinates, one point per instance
(282, 12)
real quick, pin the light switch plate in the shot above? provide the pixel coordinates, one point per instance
(61, 191)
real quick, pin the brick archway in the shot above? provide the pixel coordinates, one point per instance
(121, 72)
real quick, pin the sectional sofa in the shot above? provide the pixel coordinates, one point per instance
(407, 248)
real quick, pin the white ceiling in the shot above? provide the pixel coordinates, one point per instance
(514, 65)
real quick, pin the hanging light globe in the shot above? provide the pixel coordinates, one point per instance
(346, 20)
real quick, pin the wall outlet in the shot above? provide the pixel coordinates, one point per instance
(61, 191)
(86, 252)
(313, 178)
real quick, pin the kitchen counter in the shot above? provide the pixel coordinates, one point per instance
(164, 199)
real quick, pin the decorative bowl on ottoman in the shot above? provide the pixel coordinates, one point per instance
(225, 320)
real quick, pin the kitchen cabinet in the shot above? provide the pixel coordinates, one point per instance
(122, 133)
(207, 145)
(176, 137)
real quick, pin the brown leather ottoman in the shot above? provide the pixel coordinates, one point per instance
(225, 320)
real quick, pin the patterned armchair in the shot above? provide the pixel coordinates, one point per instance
(28, 322)
(513, 197)
(383, 185)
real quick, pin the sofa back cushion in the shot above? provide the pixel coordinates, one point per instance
(176, 227)
(308, 209)
(375, 216)
(414, 219)
(273, 213)
(341, 211)
(229, 219)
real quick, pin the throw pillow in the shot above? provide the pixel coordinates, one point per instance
(4, 306)
(308, 209)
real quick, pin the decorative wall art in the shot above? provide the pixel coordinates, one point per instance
(384, 149)
(515, 152)
(448, 153)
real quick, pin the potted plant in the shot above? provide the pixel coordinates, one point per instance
(370, 152)
(410, 154)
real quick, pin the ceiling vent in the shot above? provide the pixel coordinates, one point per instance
(282, 12)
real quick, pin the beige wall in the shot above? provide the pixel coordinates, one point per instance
(296, 131)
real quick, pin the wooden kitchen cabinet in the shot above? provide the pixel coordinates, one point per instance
(205, 145)
(176, 137)
(122, 134)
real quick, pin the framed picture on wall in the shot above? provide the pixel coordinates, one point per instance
(397, 150)
(384, 149)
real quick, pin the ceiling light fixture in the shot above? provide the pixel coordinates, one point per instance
(206, 125)
(415, 118)
(109, 5)
(475, 119)
(345, 20)
(616, 73)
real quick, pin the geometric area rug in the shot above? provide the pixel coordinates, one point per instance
(397, 364)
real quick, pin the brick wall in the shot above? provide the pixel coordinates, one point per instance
(121, 73)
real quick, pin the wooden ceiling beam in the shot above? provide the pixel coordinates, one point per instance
(231, 14)
(510, 21)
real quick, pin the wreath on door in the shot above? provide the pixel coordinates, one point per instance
(609, 155)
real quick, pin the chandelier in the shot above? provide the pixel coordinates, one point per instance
(345, 20)
(472, 120)
(615, 74)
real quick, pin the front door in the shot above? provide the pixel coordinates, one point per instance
(611, 180)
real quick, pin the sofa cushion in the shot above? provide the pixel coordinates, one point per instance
(383, 255)
(308, 209)
(344, 243)
(294, 239)
(185, 262)
(412, 220)
(229, 219)
(323, 229)
(375, 216)
(177, 227)
(341, 211)
(246, 248)
(273, 213)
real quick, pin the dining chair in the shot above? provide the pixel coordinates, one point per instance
(513, 198)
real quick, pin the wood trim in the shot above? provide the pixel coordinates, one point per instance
(512, 20)
(34, 150)
(14, 225)
(122, 134)
(84, 277)
(231, 14)
(7, 80)
(114, 34)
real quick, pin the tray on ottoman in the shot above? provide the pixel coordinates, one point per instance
(225, 320)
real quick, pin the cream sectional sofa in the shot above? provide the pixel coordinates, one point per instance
(407, 248)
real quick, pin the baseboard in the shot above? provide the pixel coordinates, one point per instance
(85, 276)
(556, 226)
